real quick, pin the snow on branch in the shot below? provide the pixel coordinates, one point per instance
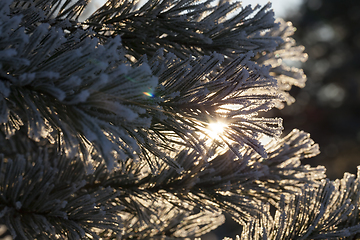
(199, 91)
(186, 27)
(328, 211)
(238, 186)
(79, 95)
(38, 200)
(279, 59)
(144, 122)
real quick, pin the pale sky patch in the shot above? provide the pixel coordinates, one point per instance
(281, 7)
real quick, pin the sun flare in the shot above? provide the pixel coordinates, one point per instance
(215, 129)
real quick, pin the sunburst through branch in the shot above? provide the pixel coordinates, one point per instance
(215, 129)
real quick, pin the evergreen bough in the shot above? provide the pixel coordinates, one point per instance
(106, 125)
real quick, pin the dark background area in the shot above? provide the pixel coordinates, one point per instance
(329, 106)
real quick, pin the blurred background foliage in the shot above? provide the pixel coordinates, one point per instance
(329, 106)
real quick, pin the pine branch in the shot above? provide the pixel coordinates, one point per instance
(38, 200)
(105, 125)
(145, 201)
(201, 91)
(52, 9)
(81, 96)
(78, 96)
(184, 27)
(278, 59)
(328, 211)
(229, 182)
(42, 195)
